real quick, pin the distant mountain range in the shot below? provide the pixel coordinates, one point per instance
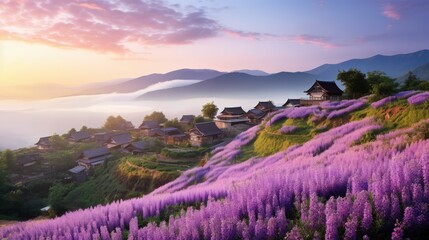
(257, 83)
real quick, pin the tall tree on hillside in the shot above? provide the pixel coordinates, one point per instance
(381, 85)
(209, 110)
(58, 142)
(412, 82)
(355, 83)
(115, 123)
(156, 116)
(7, 160)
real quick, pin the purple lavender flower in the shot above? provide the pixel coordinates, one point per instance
(418, 98)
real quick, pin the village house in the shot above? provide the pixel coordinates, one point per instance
(255, 116)
(44, 144)
(147, 127)
(102, 137)
(291, 102)
(231, 116)
(78, 173)
(322, 91)
(266, 106)
(27, 160)
(93, 157)
(187, 119)
(80, 136)
(139, 147)
(170, 135)
(205, 133)
(118, 140)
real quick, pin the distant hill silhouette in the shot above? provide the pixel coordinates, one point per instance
(394, 66)
(421, 72)
(145, 81)
(236, 85)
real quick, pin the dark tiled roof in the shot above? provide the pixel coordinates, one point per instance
(119, 139)
(150, 124)
(27, 158)
(255, 113)
(170, 131)
(207, 129)
(79, 136)
(265, 105)
(93, 153)
(140, 145)
(44, 141)
(187, 119)
(292, 101)
(77, 169)
(233, 111)
(329, 86)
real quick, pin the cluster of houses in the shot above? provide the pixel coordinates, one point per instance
(200, 134)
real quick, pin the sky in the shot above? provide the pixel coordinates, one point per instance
(47, 43)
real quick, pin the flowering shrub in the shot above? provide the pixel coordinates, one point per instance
(326, 188)
(383, 101)
(405, 94)
(418, 98)
(355, 104)
(287, 129)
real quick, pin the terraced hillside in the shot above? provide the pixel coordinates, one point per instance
(350, 169)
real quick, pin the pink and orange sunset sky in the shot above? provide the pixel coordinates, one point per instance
(71, 42)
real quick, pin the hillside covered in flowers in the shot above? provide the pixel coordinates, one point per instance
(341, 170)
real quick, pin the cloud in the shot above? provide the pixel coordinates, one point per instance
(319, 41)
(106, 26)
(391, 11)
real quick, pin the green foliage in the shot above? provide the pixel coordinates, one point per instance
(381, 85)
(355, 83)
(56, 197)
(182, 152)
(156, 116)
(115, 123)
(73, 130)
(209, 110)
(173, 123)
(7, 161)
(84, 128)
(200, 119)
(422, 130)
(411, 83)
(58, 142)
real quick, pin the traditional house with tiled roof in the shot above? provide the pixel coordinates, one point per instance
(255, 115)
(205, 133)
(231, 116)
(118, 140)
(322, 91)
(80, 136)
(44, 143)
(93, 157)
(147, 127)
(266, 106)
(139, 146)
(187, 119)
(170, 135)
(27, 160)
(291, 102)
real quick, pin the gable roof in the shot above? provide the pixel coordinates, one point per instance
(119, 139)
(28, 158)
(79, 136)
(149, 124)
(103, 136)
(329, 87)
(207, 129)
(93, 153)
(44, 141)
(292, 101)
(233, 111)
(255, 113)
(187, 118)
(265, 105)
(140, 145)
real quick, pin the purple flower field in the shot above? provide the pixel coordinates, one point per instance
(326, 188)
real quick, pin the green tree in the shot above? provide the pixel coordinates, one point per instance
(7, 160)
(58, 142)
(200, 119)
(115, 123)
(355, 82)
(84, 128)
(412, 82)
(156, 116)
(381, 85)
(173, 123)
(209, 110)
(73, 130)
(57, 193)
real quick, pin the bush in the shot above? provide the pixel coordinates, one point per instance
(182, 152)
